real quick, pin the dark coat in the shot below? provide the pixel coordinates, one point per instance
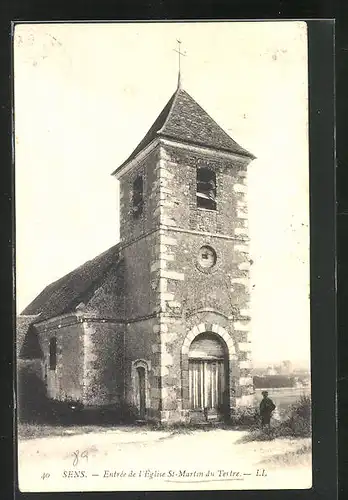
(266, 407)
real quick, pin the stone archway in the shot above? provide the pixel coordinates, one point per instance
(231, 361)
(214, 328)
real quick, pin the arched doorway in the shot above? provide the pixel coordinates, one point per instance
(141, 391)
(208, 374)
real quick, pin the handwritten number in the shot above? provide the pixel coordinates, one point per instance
(77, 455)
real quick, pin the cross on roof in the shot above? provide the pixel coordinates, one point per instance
(180, 54)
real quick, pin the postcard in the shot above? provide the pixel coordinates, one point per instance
(162, 256)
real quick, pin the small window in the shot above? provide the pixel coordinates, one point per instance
(138, 196)
(53, 353)
(206, 189)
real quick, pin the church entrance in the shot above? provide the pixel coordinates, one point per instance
(141, 381)
(208, 375)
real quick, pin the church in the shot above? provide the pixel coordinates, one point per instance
(160, 322)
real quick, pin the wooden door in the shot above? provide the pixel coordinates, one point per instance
(206, 384)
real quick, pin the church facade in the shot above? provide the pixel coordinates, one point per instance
(160, 322)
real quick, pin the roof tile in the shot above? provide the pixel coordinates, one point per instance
(183, 119)
(65, 294)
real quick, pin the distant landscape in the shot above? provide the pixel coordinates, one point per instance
(278, 381)
(283, 374)
(285, 382)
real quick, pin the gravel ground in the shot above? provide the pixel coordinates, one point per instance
(146, 460)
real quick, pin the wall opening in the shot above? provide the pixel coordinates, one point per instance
(53, 353)
(206, 189)
(141, 392)
(138, 196)
(141, 381)
(208, 374)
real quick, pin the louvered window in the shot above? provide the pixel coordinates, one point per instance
(206, 189)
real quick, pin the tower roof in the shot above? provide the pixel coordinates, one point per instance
(184, 120)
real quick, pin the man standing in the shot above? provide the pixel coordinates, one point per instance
(267, 407)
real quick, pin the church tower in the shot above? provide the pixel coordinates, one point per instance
(184, 244)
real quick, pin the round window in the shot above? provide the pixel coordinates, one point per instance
(207, 257)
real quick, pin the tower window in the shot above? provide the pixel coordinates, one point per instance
(53, 353)
(206, 189)
(138, 200)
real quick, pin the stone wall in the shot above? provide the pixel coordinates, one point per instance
(226, 285)
(30, 389)
(192, 295)
(140, 292)
(103, 362)
(191, 287)
(65, 383)
(142, 347)
(177, 334)
(178, 178)
(132, 227)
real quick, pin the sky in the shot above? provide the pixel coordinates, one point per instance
(86, 94)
